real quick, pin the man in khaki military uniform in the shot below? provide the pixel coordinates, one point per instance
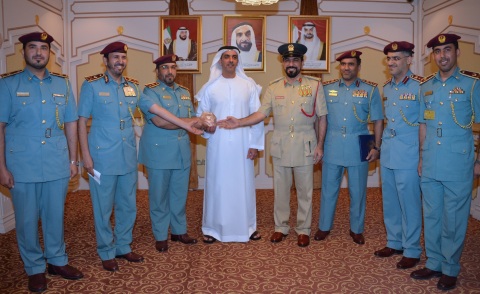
(298, 103)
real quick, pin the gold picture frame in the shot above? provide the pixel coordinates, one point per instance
(242, 28)
(314, 32)
(189, 50)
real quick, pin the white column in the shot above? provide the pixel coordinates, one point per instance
(7, 216)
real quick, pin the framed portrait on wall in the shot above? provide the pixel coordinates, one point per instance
(313, 32)
(248, 34)
(182, 35)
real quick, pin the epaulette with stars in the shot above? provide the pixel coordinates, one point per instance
(416, 78)
(132, 80)
(276, 81)
(59, 75)
(94, 77)
(184, 87)
(313, 78)
(387, 82)
(471, 74)
(9, 74)
(426, 79)
(330, 82)
(152, 85)
(370, 83)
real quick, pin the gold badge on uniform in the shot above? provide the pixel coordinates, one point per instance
(333, 93)
(166, 97)
(359, 93)
(305, 90)
(129, 91)
(428, 93)
(184, 97)
(429, 114)
(394, 46)
(441, 39)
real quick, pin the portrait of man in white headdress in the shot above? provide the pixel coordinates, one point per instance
(184, 47)
(243, 37)
(309, 38)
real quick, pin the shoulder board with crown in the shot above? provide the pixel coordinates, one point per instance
(152, 85)
(330, 82)
(9, 74)
(183, 87)
(276, 81)
(416, 78)
(426, 79)
(59, 75)
(471, 74)
(370, 83)
(94, 77)
(387, 82)
(131, 80)
(313, 78)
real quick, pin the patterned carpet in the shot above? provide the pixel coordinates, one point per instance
(336, 265)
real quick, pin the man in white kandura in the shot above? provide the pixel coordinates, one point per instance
(229, 208)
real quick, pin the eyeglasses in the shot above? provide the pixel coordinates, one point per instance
(395, 58)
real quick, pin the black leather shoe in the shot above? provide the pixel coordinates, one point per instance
(357, 238)
(387, 252)
(161, 246)
(185, 239)
(321, 235)
(131, 256)
(425, 274)
(407, 262)
(66, 271)
(110, 265)
(37, 283)
(447, 283)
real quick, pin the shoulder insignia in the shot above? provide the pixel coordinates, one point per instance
(184, 87)
(94, 77)
(471, 74)
(313, 78)
(276, 81)
(131, 80)
(9, 74)
(425, 79)
(59, 75)
(387, 82)
(330, 82)
(416, 78)
(370, 83)
(152, 85)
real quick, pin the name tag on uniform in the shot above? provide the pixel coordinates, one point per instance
(428, 93)
(429, 114)
(104, 94)
(279, 97)
(129, 92)
(167, 97)
(58, 95)
(184, 97)
(23, 94)
(333, 93)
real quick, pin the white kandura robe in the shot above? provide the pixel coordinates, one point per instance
(229, 204)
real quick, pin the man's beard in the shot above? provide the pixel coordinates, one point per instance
(37, 64)
(308, 36)
(245, 46)
(292, 74)
(183, 37)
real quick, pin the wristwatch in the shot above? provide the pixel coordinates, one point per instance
(377, 148)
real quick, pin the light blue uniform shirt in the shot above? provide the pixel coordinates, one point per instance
(111, 140)
(161, 148)
(36, 148)
(400, 135)
(350, 108)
